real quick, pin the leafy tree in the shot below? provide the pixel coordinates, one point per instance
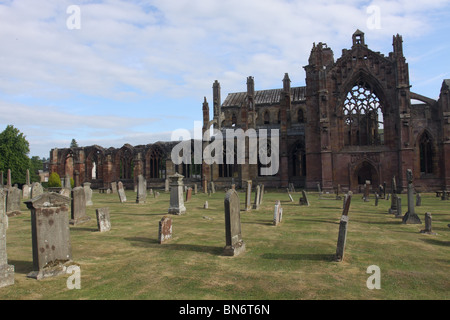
(74, 144)
(54, 180)
(14, 149)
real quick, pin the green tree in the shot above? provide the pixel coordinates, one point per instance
(14, 149)
(54, 180)
(36, 164)
(74, 144)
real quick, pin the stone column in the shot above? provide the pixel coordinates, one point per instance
(410, 217)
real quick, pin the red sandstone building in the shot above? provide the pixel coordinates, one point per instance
(356, 120)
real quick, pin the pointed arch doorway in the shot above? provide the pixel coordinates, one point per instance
(365, 171)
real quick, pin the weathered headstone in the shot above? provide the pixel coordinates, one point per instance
(410, 217)
(121, 192)
(418, 200)
(398, 211)
(114, 187)
(65, 192)
(394, 196)
(103, 219)
(205, 206)
(67, 183)
(141, 192)
(261, 194)
(13, 196)
(176, 195)
(76, 179)
(78, 209)
(342, 235)
(6, 270)
(248, 196)
(188, 194)
(26, 190)
(212, 187)
(277, 213)
(257, 197)
(167, 185)
(195, 188)
(165, 230)
(290, 197)
(51, 245)
(428, 220)
(36, 190)
(304, 199)
(8, 179)
(376, 199)
(233, 236)
(88, 193)
(319, 190)
(366, 191)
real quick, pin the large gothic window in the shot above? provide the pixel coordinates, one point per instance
(426, 154)
(363, 117)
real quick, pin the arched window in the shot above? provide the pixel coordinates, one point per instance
(426, 154)
(363, 117)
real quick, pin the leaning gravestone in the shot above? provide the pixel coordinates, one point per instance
(233, 236)
(51, 245)
(141, 192)
(6, 270)
(103, 219)
(304, 199)
(410, 217)
(78, 210)
(257, 197)
(88, 193)
(342, 236)
(165, 230)
(278, 213)
(176, 195)
(121, 192)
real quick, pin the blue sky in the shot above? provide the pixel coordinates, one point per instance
(134, 71)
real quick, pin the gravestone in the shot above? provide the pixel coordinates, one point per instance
(366, 191)
(304, 199)
(78, 209)
(427, 229)
(67, 183)
(418, 200)
(103, 219)
(410, 216)
(6, 270)
(65, 192)
(398, 212)
(290, 197)
(76, 179)
(248, 196)
(394, 196)
(121, 192)
(205, 184)
(114, 187)
(212, 187)
(13, 196)
(8, 179)
(176, 195)
(233, 236)
(257, 197)
(166, 185)
(36, 190)
(261, 194)
(141, 192)
(188, 194)
(26, 190)
(277, 213)
(51, 245)
(342, 235)
(376, 199)
(195, 188)
(88, 193)
(205, 206)
(165, 230)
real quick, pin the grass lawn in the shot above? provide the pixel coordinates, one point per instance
(293, 260)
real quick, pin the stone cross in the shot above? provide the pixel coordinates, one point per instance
(176, 195)
(233, 237)
(165, 230)
(410, 217)
(6, 270)
(51, 245)
(278, 213)
(103, 219)
(121, 191)
(78, 210)
(342, 235)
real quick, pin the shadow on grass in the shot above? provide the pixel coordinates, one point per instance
(299, 256)
(148, 242)
(437, 242)
(23, 267)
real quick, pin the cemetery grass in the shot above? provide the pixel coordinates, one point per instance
(294, 260)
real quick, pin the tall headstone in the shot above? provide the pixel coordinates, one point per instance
(428, 220)
(257, 197)
(233, 237)
(6, 270)
(76, 179)
(376, 199)
(342, 235)
(8, 179)
(141, 192)
(248, 196)
(394, 196)
(212, 187)
(166, 185)
(188, 194)
(165, 230)
(13, 197)
(195, 188)
(121, 192)
(51, 245)
(418, 200)
(114, 187)
(366, 191)
(103, 219)
(261, 194)
(319, 190)
(78, 208)
(398, 212)
(67, 183)
(26, 190)
(410, 217)
(88, 193)
(176, 195)
(277, 213)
